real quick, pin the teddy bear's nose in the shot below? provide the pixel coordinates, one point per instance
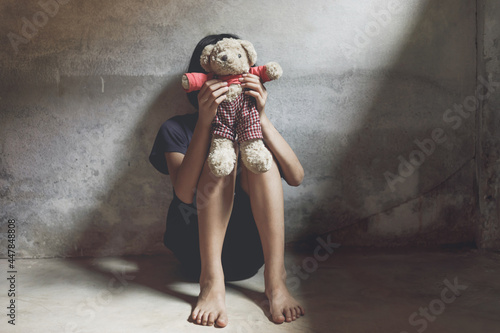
(224, 58)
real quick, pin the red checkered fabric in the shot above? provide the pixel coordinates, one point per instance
(239, 117)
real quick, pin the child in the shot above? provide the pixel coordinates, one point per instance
(224, 228)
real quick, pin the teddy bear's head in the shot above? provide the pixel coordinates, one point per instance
(229, 56)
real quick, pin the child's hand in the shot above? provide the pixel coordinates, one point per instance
(257, 90)
(210, 96)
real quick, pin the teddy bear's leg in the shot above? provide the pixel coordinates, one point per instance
(222, 156)
(255, 156)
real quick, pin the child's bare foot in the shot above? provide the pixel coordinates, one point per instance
(211, 306)
(282, 305)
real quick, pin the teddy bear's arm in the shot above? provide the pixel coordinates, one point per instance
(193, 81)
(271, 71)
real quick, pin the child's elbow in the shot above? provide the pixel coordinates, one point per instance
(186, 198)
(296, 179)
(295, 182)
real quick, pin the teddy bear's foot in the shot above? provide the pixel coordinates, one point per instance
(255, 156)
(222, 156)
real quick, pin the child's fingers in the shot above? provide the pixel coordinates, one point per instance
(259, 98)
(212, 90)
(212, 85)
(255, 94)
(218, 100)
(253, 82)
(252, 93)
(253, 85)
(250, 78)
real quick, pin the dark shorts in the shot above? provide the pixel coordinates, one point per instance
(242, 254)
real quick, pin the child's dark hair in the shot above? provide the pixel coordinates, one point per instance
(194, 64)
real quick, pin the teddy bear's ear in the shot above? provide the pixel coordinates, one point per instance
(252, 55)
(205, 57)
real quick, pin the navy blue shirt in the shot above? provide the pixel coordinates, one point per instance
(174, 136)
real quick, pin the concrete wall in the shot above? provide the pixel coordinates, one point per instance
(84, 92)
(488, 143)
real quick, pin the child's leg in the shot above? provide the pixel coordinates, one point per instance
(214, 201)
(266, 197)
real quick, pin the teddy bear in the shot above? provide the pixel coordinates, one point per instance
(237, 117)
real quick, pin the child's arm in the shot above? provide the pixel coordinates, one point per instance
(287, 160)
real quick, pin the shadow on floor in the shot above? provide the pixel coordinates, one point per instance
(163, 274)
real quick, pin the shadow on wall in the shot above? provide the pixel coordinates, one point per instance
(127, 217)
(405, 172)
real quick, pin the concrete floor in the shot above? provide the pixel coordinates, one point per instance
(351, 291)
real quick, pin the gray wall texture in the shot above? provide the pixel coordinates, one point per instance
(488, 128)
(389, 104)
